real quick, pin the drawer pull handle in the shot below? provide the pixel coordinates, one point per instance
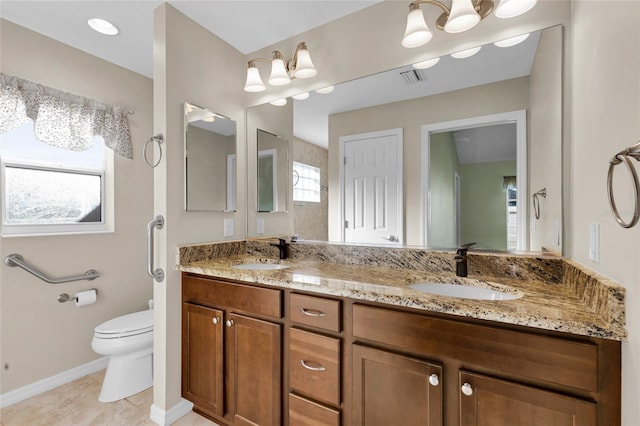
(434, 380)
(467, 389)
(230, 323)
(310, 367)
(215, 320)
(312, 312)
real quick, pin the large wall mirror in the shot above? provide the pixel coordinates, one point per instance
(210, 160)
(449, 147)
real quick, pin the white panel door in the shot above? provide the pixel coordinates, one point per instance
(372, 187)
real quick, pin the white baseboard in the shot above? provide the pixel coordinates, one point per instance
(166, 418)
(41, 386)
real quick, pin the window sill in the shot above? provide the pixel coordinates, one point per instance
(56, 234)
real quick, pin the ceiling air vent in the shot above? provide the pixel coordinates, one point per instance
(413, 77)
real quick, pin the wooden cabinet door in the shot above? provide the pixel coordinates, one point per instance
(485, 401)
(390, 389)
(202, 357)
(254, 357)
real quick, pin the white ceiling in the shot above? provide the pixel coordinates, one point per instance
(263, 23)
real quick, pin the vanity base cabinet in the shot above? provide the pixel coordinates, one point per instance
(392, 389)
(232, 351)
(492, 402)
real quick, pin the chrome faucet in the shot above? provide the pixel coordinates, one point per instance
(461, 259)
(283, 246)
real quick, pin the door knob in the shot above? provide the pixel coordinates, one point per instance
(391, 238)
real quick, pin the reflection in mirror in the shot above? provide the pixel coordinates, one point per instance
(210, 160)
(272, 172)
(527, 76)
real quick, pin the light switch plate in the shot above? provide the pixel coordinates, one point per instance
(260, 226)
(228, 227)
(594, 242)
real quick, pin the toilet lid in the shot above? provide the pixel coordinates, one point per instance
(137, 321)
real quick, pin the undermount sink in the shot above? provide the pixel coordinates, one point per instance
(462, 291)
(259, 266)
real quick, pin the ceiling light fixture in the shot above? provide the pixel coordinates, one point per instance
(512, 41)
(426, 64)
(282, 71)
(103, 26)
(463, 15)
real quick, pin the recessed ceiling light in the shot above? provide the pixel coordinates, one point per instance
(466, 53)
(325, 90)
(426, 64)
(102, 26)
(512, 41)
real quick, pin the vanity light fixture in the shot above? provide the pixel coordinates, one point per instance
(426, 64)
(462, 16)
(466, 53)
(103, 26)
(512, 41)
(326, 90)
(282, 71)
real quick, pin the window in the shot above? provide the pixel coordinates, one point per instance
(50, 190)
(512, 218)
(306, 183)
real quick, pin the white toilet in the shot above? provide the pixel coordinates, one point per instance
(128, 342)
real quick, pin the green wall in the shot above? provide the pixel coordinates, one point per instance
(483, 204)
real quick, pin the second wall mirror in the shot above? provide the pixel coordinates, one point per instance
(210, 160)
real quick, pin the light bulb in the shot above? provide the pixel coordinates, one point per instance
(512, 8)
(417, 32)
(463, 17)
(254, 81)
(103, 26)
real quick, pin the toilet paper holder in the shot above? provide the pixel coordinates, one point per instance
(64, 297)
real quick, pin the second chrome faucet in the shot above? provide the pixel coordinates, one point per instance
(461, 259)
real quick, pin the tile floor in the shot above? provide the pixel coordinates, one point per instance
(76, 404)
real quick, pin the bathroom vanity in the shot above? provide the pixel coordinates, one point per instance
(323, 343)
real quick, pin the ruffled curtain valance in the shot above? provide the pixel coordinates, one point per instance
(62, 119)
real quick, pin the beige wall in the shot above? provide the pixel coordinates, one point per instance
(41, 337)
(504, 96)
(311, 220)
(545, 136)
(605, 119)
(186, 56)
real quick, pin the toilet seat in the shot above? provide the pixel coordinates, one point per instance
(126, 325)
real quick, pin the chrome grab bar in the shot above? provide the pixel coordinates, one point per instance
(155, 273)
(14, 260)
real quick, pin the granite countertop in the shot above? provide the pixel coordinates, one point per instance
(543, 305)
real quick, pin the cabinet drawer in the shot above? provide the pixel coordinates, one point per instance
(314, 365)
(315, 311)
(233, 296)
(550, 359)
(306, 413)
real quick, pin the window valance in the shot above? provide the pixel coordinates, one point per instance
(62, 119)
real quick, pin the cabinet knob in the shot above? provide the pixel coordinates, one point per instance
(467, 389)
(434, 380)
(230, 323)
(215, 320)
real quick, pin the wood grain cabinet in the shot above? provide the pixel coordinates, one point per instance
(232, 360)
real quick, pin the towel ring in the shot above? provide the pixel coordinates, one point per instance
(157, 138)
(623, 157)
